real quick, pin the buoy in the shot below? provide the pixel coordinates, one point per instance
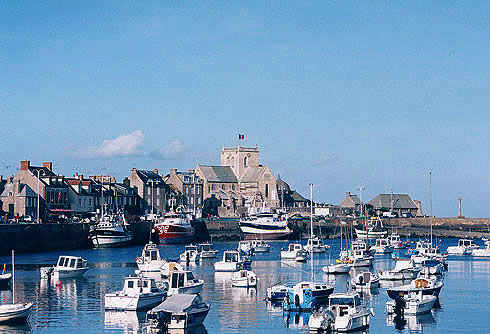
(58, 283)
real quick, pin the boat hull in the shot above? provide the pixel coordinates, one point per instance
(394, 292)
(337, 269)
(193, 319)
(111, 241)
(357, 322)
(361, 234)
(174, 234)
(15, 313)
(132, 303)
(264, 232)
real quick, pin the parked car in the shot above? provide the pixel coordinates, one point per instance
(390, 214)
(406, 215)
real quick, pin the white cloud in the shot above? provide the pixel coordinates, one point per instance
(125, 145)
(173, 151)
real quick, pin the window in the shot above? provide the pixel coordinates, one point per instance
(149, 191)
(223, 187)
(245, 162)
(72, 263)
(266, 190)
(80, 202)
(158, 202)
(158, 191)
(233, 186)
(90, 202)
(209, 189)
(212, 187)
(130, 284)
(61, 261)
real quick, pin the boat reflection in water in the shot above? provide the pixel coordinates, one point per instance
(15, 328)
(412, 323)
(128, 321)
(293, 319)
(201, 329)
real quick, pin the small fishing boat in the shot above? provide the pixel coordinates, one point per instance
(180, 311)
(138, 293)
(395, 241)
(404, 269)
(207, 251)
(382, 246)
(345, 313)
(415, 303)
(301, 256)
(232, 261)
(66, 267)
(482, 251)
(168, 267)
(277, 292)
(337, 268)
(365, 281)
(431, 267)
(428, 286)
(15, 312)
(464, 247)
(245, 247)
(305, 296)
(375, 229)
(260, 246)
(111, 231)
(150, 260)
(290, 252)
(316, 245)
(244, 279)
(183, 281)
(191, 254)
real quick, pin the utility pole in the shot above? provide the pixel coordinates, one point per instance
(361, 189)
(430, 198)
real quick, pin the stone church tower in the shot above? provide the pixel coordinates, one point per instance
(239, 158)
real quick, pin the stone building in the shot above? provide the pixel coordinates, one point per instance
(240, 182)
(187, 184)
(18, 199)
(153, 192)
(53, 191)
(401, 204)
(351, 205)
(289, 198)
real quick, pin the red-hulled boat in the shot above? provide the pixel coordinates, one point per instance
(174, 228)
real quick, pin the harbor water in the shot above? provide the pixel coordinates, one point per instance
(77, 305)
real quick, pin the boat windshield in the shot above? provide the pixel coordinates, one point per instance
(72, 263)
(61, 260)
(231, 257)
(79, 263)
(190, 248)
(190, 276)
(205, 248)
(344, 301)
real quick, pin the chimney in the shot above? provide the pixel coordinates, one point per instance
(25, 164)
(80, 177)
(48, 165)
(155, 171)
(347, 194)
(192, 171)
(173, 171)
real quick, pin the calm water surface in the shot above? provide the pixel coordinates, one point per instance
(77, 305)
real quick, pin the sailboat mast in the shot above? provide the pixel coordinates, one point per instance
(311, 230)
(430, 199)
(13, 278)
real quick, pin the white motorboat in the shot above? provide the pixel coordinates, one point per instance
(184, 282)
(464, 247)
(168, 267)
(232, 261)
(138, 293)
(375, 229)
(191, 254)
(365, 281)
(265, 225)
(277, 292)
(395, 241)
(175, 227)
(358, 255)
(245, 247)
(15, 312)
(301, 256)
(415, 303)
(427, 285)
(180, 311)
(260, 246)
(316, 245)
(207, 251)
(150, 260)
(290, 252)
(111, 231)
(345, 313)
(244, 279)
(482, 251)
(382, 246)
(337, 268)
(66, 267)
(404, 269)
(431, 267)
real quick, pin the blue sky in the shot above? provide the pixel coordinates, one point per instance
(338, 93)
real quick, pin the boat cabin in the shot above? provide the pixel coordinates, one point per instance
(340, 303)
(382, 243)
(191, 248)
(231, 256)
(151, 252)
(206, 247)
(180, 279)
(466, 243)
(295, 247)
(138, 285)
(71, 262)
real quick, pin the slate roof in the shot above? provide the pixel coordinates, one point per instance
(218, 174)
(46, 171)
(252, 174)
(297, 197)
(282, 185)
(146, 175)
(400, 201)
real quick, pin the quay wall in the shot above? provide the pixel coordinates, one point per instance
(30, 238)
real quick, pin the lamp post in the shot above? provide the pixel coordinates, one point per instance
(38, 181)
(152, 181)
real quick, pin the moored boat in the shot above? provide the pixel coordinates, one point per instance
(174, 228)
(375, 229)
(138, 293)
(260, 246)
(111, 231)
(290, 252)
(265, 225)
(365, 281)
(316, 245)
(183, 281)
(305, 296)
(427, 286)
(150, 260)
(66, 267)
(207, 251)
(482, 251)
(415, 303)
(244, 279)
(464, 247)
(232, 261)
(191, 254)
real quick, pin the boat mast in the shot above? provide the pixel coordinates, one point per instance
(311, 231)
(102, 196)
(430, 198)
(13, 278)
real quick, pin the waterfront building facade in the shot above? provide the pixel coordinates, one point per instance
(188, 186)
(154, 194)
(351, 205)
(402, 204)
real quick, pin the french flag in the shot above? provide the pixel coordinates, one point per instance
(241, 137)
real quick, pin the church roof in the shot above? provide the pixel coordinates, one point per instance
(282, 185)
(218, 174)
(252, 174)
(297, 197)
